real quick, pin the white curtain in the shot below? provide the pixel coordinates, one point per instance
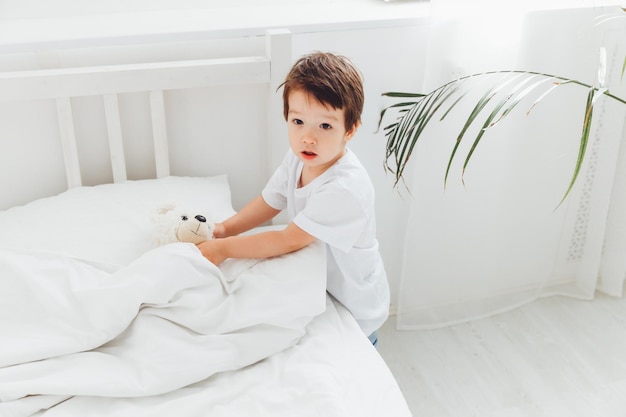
(497, 237)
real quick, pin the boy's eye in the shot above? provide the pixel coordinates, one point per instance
(297, 121)
(325, 126)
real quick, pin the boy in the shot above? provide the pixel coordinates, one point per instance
(324, 188)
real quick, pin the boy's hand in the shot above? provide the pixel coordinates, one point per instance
(212, 250)
(219, 230)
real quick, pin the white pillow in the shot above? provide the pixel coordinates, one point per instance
(110, 224)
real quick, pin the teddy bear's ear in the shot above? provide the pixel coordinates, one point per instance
(165, 208)
(165, 222)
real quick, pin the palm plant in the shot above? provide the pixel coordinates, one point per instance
(504, 92)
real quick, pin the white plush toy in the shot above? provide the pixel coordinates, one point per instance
(179, 224)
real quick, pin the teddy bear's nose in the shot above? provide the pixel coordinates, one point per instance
(201, 218)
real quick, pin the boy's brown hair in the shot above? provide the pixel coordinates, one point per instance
(332, 79)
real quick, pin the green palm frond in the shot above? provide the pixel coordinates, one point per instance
(506, 91)
(503, 108)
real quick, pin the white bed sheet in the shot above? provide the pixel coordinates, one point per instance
(167, 320)
(332, 371)
(161, 349)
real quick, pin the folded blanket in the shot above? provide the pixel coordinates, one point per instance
(167, 320)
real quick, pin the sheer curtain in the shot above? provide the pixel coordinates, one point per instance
(498, 236)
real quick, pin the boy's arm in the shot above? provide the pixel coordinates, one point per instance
(261, 245)
(255, 213)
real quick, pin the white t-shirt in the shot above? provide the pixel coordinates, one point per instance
(338, 208)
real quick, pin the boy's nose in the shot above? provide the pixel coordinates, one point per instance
(307, 137)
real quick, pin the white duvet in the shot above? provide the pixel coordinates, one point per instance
(71, 331)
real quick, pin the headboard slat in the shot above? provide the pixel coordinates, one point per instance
(159, 134)
(116, 144)
(68, 140)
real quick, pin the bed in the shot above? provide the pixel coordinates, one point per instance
(95, 319)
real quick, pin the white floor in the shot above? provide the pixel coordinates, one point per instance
(554, 357)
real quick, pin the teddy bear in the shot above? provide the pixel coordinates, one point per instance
(174, 223)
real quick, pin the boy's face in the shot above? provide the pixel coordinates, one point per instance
(317, 133)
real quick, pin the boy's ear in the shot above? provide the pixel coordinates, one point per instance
(350, 133)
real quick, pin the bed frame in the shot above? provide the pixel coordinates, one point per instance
(109, 82)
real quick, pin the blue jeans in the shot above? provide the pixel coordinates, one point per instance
(374, 338)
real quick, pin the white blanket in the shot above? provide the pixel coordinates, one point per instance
(168, 320)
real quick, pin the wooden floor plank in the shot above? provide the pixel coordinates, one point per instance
(554, 357)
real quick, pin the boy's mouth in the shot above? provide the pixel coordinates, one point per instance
(308, 154)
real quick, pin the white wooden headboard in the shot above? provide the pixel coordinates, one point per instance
(65, 87)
